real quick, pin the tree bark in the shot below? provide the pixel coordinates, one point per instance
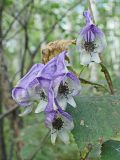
(3, 155)
(6, 100)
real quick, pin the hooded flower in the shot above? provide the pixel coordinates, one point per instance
(35, 84)
(55, 67)
(68, 87)
(59, 122)
(64, 83)
(29, 89)
(90, 42)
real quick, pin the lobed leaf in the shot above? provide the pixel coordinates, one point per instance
(96, 119)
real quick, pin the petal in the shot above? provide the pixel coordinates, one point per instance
(100, 42)
(49, 118)
(64, 136)
(44, 83)
(26, 111)
(41, 106)
(63, 113)
(55, 67)
(56, 83)
(62, 102)
(73, 84)
(88, 17)
(30, 76)
(61, 65)
(68, 124)
(95, 58)
(51, 104)
(53, 136)
(21, 96)
(85, 58)
(72, 102)
(34, 90)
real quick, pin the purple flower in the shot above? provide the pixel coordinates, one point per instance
(30, 89)
(55, 67)
(68, 87)
(64, 84)
(43, 83)
(59, 122)
(90, 42)
(35, 84)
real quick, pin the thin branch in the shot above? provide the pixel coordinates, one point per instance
(25, 51)
(16, 17)
(51, 29)
(8, 112)
(94, 84)
(84, 81)
(12, 36)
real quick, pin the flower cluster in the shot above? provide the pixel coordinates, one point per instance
(53, 86)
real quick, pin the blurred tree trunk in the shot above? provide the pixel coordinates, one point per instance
(3, 155)
(6, 100)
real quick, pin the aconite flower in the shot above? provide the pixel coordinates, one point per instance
(29, 89)
(59, 122)
(68, 87)
(90, 42)
(64, 83)
(34, 86)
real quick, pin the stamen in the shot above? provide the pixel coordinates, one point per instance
(57, 123)
(42, 95)
(89, 46)
(63, 89)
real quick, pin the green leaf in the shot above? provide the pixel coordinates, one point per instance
(96, 119)
(110, 150)
(32, 137)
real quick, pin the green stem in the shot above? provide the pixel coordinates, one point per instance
(108, 78)
(86, 81)
(94, 84)
(104, 69)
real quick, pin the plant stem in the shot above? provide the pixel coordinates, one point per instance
(91, 11)
(84, 81)
(104, 69)
(108, 78)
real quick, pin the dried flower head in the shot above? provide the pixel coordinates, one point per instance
(52, 49)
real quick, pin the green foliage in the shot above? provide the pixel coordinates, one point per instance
(96, 119)
(33, 135)
(110, 150)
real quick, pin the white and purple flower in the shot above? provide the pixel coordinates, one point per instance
(35, 84)
(68, 87)
(29, 89)
(53, 86)
(90, 42)
(63, 82)
(59, 122)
